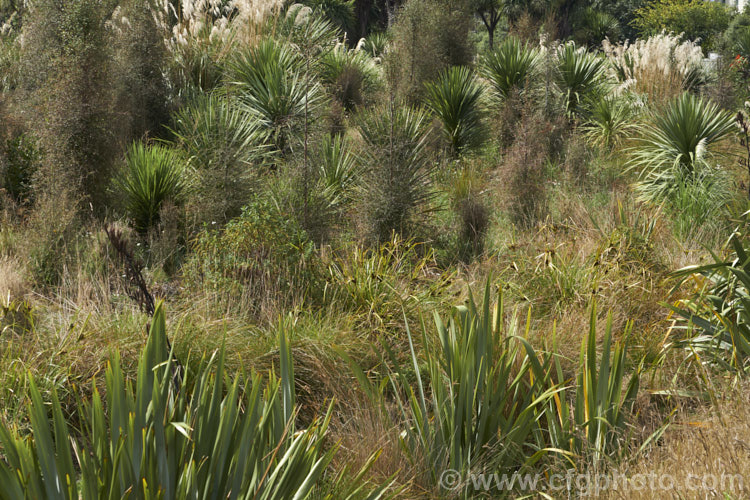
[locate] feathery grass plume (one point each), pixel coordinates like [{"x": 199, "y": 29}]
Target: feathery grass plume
[
  {"x": 659, "y": 67},
  {"x": 579, "y": 74},
  {"x": 676, "y": 145},
  {"x": 201, "y": 440},
  {"x": 306, "y": 30},
  {"x": 225, "y": 148},
  {"x": 398, "y": 170},
  {"x": 455, "y": 99},
  {"x": 202, "y": 33},
  {"x": 510, "y": 66},
  {"x": 152, "y": 175}
]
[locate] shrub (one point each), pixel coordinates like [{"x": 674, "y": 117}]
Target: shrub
[
  {"x": 225, "y": 148},
  {"x": 698, "y": 20},
  {"x": 67, "y": 70},
  {"x": 351, "y": 75},
  {"x": 398, "y": 170},
  {"x": 143, "y": 54},
  {"x": 19, "y": 164},
  {"x": 428, "y": 36},
  {"x": 153, "y": 174},
  {"x": 259, "y": 262},
  {"x": 510, "y": 66},
  {"x": 526, "y": 169},
  {"x": 455, "y": 99},
  {"x": 676, "y": 145}
]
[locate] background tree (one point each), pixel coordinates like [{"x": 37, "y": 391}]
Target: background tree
[
  {"x": 67, "y": 72},
  {"x": 491, "y": 12},
  {"x": 695, "y": 18},
  {"x": 428, "y": 37}
]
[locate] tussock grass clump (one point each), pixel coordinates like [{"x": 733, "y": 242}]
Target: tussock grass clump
[{"x": 658, "y": 68}]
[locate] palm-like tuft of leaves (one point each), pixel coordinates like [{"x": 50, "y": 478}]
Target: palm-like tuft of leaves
[
  {"x": 338, "y": 170},
  {"x": 610, "y": 120},
  {"x": 153, "y": 174},
  {"x": 580, "y": 74},
  {"x": 375, "y": 44},
  {"x": 676, "y": 145},
  {"x": 596, "y": 25},
  {"x": 269, "y": 82},
  {"x": 224, "y": 146},
  {"x": 173, "y": 437},
  {"x": 455, "y": 99},
  {"x": 510, "y": 66},
  {"x": 351, "y": 75},
  {"x": 398, "y": 171},
  {"x": 339, "y": 13}
]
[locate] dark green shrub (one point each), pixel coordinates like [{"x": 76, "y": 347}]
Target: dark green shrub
[
  {"x": 67, "y": 58},
  {"x": 352, "y": 76},
  {"x": 19, "y": 164},
  {"x": 142, "y": 54},
  {"x": 261, "y": 261},
  {"x": 695, "y": 18}
]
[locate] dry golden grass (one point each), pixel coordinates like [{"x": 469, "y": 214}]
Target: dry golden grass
[
  {"x": 704, "y": 454},
  {"x": 13, "y": 283}
]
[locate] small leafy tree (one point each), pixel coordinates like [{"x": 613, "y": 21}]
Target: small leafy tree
[
  {"x": 697, "y": 19},
  {"x": 491, "y": 12}
]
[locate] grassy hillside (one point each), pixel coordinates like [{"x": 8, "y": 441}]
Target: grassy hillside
[{"x": 374, "y": 250}]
